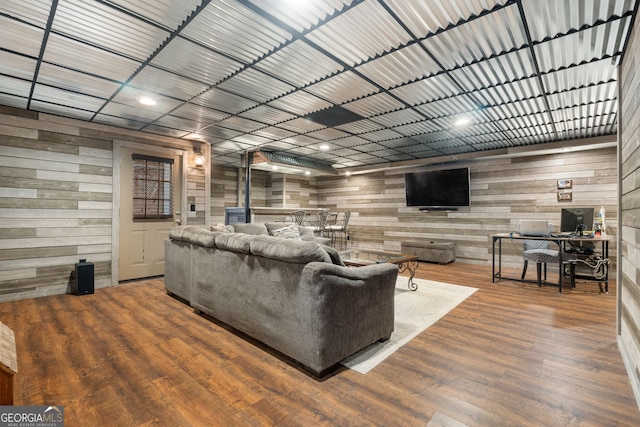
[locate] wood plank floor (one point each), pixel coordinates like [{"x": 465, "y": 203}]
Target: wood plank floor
[{"x": 511, "y": 354}]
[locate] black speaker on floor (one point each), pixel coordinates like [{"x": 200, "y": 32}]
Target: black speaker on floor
[{"x": 84, "y": 277}]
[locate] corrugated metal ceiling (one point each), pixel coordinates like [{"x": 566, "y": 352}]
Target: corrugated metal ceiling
[{"x": 250, "y": 74}]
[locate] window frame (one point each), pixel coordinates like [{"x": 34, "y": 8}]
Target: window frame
[{"x": 152, "y": 188}]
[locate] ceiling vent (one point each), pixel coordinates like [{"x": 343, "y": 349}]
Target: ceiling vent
[{"x": 334, "y": 116}]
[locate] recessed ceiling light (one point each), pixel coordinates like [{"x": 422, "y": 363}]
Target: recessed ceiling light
[
  {"x": 275, "y": 167},
  {"x": 307, "y": 173},
  {"x": 147, "y": 101},
  {"x": 348, "y": 173},
  {"x": 324, "y": 147},
  {"x": 463, "y": 121}
]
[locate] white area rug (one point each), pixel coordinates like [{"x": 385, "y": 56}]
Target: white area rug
[{"x": 414, "y": 312}]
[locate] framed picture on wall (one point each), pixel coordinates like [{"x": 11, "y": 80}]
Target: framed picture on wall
[
  {"x": 565, "y": 196},
  {"x": 565, "y": 183}
]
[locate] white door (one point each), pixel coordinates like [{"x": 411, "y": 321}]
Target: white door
[{"x": 150, "y": 197}]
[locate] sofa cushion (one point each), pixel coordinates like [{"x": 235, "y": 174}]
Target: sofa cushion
[
  {"x": 333, "y": 254},
  {"x": 177, "y": 233},
  {"x": 289, "y": 250},
  {"x": 287, "y": 232},
  {"x": 307, "y": 234},
  {"x": 276, "y": 225},
  {"x": 234, "y": 242},
  {"x": 194, "y": 234},
  {"x": 222, "y": 228},
  {"x": 251, "y": 228}
]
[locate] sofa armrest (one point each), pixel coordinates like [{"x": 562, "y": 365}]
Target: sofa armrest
[
  {"x": 345, "y": 309},
  {"x": 386, "y": 272},
  {"x": 194, "y": 234}
]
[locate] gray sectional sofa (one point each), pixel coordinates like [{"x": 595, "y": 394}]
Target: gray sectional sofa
[{"x": 295, "y": 296}]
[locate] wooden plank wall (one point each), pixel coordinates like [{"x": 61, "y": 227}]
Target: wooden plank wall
[
  {"x": 300, "y": 192},
  {"x": 289, "y": 191},
  {"x": 56, "y": 200},
  {"x": 628, "y": 281},
  {"x": 196, "y": 190},
  {"x": 503, "y": 191},
  {"x": 227, "y": 190},
  {"x": 275, "y": 196},
  {"x": 268, "y": 189}
]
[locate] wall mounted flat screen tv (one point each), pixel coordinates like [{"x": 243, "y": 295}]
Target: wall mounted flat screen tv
[{"x": 439, "y": 189}]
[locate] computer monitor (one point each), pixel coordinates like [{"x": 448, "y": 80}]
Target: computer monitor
[{"x": 574, "y": 220}]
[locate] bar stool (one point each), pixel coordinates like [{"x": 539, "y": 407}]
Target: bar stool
[
  {"x": 319, "y": 226},
  {"x": 340, "y": 227},
  {"x": 299, "y": 217}
]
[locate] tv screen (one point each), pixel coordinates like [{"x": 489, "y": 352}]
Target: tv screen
[
  {"x": 438, "y": 189},
  {"x": 574, "y": 220}
]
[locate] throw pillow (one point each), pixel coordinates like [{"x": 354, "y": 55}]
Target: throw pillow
[
  {"x": 251, "y": 228},
  {"x": 288, "y": 232},
  {"x": 306, "y": 233},
  {"x": 222, "y": 228}
]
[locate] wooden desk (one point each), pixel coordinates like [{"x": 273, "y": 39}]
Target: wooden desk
[{"x": 561, "y": 242}]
